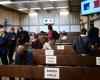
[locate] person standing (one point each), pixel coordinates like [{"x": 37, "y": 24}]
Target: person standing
[
  {"x": 22, "y": 36},
  {"x": 93, "y": 34},
  {"x": 11, "y": 44},
  {"x": 3, "y": 46},
  {"x": 50, "y": 35}
]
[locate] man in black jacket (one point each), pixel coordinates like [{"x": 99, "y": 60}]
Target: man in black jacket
[
  {"x": 3, "y": 46},
  {"x": 11, "y": 44},
  {"x": 93, "y": 34},
  {"x": 22, "y": 36}
]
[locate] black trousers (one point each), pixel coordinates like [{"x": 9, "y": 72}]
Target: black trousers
[
  {"x": 3, "y": 55},
  {"x": 11, "y": 52}
]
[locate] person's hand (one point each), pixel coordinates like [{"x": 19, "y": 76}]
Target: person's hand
[{"x": 13, "y": 38}]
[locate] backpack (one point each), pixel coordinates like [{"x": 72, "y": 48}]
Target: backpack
[{"x": 55, "y": 35}]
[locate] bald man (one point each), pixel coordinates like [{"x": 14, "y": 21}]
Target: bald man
[{"x": 23, "y": 56}]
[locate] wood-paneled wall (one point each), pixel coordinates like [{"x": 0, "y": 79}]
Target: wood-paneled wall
[{"x": 10, "y": 14}]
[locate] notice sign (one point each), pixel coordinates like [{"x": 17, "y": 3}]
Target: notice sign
[
  {"x": 51, "y": 73},
  {"x": 51, "y": 59},
  {"x": 97, "y": 60},
  {"x": 49, "y": 52},
  {"x": 60, "y": 47}
]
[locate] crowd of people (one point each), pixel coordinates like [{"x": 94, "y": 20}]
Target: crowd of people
[
  {"x": 86, "y": 44},
  {"x": 11, "y": 42}
]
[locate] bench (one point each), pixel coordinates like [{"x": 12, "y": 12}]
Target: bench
[
  {"x": 63, "y": 60},
  {"x": 38, "y": 72},
  {"x": 56, "y": 52},
  {"x": 68, "y": 50}
]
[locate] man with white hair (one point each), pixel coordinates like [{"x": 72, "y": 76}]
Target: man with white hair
[{"x": 3, "y": 46}]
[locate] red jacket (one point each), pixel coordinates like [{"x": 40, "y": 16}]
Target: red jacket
[{"x": 50, "y": 35}]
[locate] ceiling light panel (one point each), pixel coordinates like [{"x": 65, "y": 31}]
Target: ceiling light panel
[
  {"x": 48, "y": 8},
  {"x": 5, "y": 2}
]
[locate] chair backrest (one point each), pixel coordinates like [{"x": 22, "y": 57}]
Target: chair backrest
[
  {"x": 63, "y": 60},
  {"x": 39, "y": 72}
]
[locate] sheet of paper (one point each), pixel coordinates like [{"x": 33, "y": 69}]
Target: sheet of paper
[
  {"x": 60, "y": 47},
  {"x": 49, "y": 52},
  {"x": 51, "y": 60},
  {"x": 97, "y": 60},
  {"x": 51, "y": 73}
]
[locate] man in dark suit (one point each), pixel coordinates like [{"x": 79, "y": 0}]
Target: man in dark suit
[
  {"x": 3, "y": 46},
  {"x": 11, "y": 44},
  {"x": 93, "y": 34},
  {"x": 22, "y": 36}
]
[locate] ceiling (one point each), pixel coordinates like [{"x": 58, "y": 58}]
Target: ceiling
[{"x": 42, "y": 5}]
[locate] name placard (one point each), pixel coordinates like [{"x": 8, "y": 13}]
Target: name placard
[
  {"x": 60, "y": 47},
  {"x": 97, "y": 60},
  {"x": 51, "y": 73},
  {"x": 49, "y": 52},
  {"x": 51, "y": 60}
]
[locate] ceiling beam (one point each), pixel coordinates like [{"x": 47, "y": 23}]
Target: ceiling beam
[
  {"x": 36, "y": 0},
  {"x": 12, "y": 9},
  {"x": 54, "y": 4},
  {"x": 38, "y": 5}
]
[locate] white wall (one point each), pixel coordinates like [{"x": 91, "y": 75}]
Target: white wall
[
  {"x": 54, "y": 16},
  {"x": 60, "y": 18},
  {"x": 33, "y": 22},
  {"x": 70, "y": 22},
  {"x": 97, "y": 24}
]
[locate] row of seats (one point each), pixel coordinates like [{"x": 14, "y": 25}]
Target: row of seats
[
  {"x": 68, "y": 65},
  {"x": 37, "y": 72},
  {"x": 62, "y": 60},
  {"x": 68, "y": 50}
]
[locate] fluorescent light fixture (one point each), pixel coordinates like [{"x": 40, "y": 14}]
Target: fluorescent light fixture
[
  {"x": 64, "y": 13},
  {"x": 48, "y": 8},
  {"x": 23, "y": 9},
  {"x": 63, "y": 7},
  {"x": 35, "y": 8},
  {"x": 57, "y": 0},
  {"x": 5, "y": 2},
  {"x": 33, "y": 14}
]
